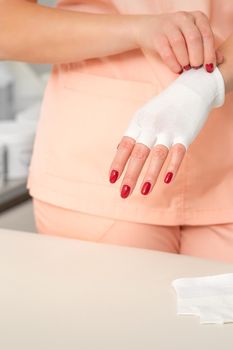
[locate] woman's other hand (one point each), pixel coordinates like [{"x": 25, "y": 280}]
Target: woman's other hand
[{"x": 182, "y": 39}]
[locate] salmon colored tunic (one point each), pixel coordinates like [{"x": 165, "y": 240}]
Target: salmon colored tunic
[{"x": 86, "y": 109}]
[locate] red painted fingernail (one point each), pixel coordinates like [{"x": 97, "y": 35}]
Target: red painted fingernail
[
  {"x": 113, "y": 176},
  {"x": 168, "y": 177},
  {"x": 197, "y": 67},
  {"x": 187, "y": 67},
  {"x": 181, "y": 71},
  {"x": 146, "y": 188},
  {"x": 125, "y": 191},
  {"x": 209, "y": 67}
]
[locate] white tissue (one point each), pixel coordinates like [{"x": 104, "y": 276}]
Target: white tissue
[{"x": 209, "y": 297}]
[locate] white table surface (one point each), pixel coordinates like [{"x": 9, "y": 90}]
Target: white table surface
[{"x": 58, "y": 293}]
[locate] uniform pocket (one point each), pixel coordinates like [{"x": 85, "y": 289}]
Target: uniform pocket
[{"x": 90, "y": 115}]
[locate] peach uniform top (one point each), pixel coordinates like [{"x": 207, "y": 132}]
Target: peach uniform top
[{"x": 87, "y": 107}]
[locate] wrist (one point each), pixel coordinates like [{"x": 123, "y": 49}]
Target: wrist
[
  {"x": 127, "y": 27},
  {"x": 209, "y": 86},
  {"x": 136, "y": 25}
]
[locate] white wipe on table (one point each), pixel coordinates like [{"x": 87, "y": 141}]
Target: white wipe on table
[{"x": 209, "y": 297}]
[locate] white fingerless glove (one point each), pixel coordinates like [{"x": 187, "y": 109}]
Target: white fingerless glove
[{"x": 179, "y": 112}]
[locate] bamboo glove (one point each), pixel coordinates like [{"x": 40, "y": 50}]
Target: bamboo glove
[{"x": 180, "y": 111}]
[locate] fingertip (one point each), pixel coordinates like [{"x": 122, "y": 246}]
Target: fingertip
[
  {"x": 178, "y": 151},
  {"x": 187, "y": 67},
  {"x": 210, "y": 62},
  {"x": 209, "y": 67},
  {"x": 146, "y": 188},
  {"x": 168, "y": 177},
  {"x": 113, "y": 177}
]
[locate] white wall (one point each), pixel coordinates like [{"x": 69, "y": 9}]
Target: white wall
[
  {"x": 19, "y": 218},
  {"x": 47, "y": 2}
]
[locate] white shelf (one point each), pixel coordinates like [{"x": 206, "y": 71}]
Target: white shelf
[{"x": 13, "y": 193}]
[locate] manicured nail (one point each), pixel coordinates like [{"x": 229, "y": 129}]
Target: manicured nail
[
  {"x": 197, "y": 67},
  {"x": 146, "y": 188},
  {"x": 113, "y": 176},
  {"x": 181, "y": 71},
  {"x": 209, "y": 67},
  {"x": 168, "y": 177},
  {"x": 125, "y": 191},
  {"x": 187, "y": 67}
]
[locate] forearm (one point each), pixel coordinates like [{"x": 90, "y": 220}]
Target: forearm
[
  {"x": 226, "y": 67},
  {"x": 38, "y": 34}
]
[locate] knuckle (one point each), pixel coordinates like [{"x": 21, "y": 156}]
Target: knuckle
[
  {"x": 200, "y": 14},
  {"x": 205, "y": 30},
  {"x": 166, "y": 55},
  {"x": 206, "y": 34},
  {"x": 177, "y": 40},
  {"x": 179, "y": 149},
  {"x": 193, "y": 37},
  {"x": 161, "y": 39},
  {"x": 210, "y": 58},
  {"x": 129, "y": 179},
  {"x": 182, "y": 15},
  {"x": 127, "y": 143},
  {"x": 160, "y": 152},
  {"x": 139, "y": 153}
]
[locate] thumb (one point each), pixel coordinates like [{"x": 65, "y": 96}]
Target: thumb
[{"x": 219, "y": 57}]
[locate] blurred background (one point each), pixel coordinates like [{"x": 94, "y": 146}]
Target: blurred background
[{"x": 22, "y": 87}]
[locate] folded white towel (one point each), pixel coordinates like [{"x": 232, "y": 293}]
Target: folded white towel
[{"x": 209, "y": 297}]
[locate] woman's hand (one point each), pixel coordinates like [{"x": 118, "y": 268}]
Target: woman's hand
[
  {"x": 171, "y": 119},
  {"x": 182, "y": 39},
  {"x": 62, "y": 36}
]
